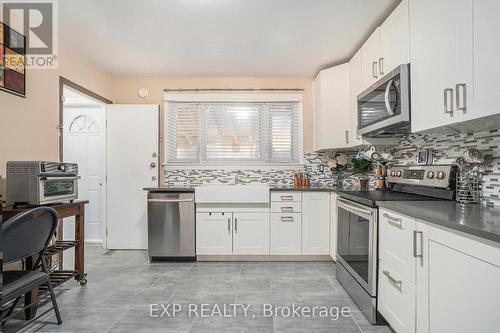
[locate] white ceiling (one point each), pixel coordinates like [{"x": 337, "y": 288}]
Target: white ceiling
[{"x": 218, "y": 37}]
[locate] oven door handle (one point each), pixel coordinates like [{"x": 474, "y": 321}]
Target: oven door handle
[
  {"x": 353, "y": 209},
  {"x": 61, "y": 178}
]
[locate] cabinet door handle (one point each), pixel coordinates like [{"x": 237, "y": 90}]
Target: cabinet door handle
[
  {"x": 415, "y": 254},
  {"x": 229, "y": 225},
  {"x": 236, "y": 225},
  {"x": 393, "y": 280},
  {"x": 287, "y": 219},
  {"x": 381, "y": 66},
  {"x": 347, "y": 136},
  {"x": 287, "y": 209},
  {"x": 461, "y": 106},
  {"x": 446, "y": 108},
  {"x": 394, "y": 220},
  {"x": 286, "y": 198},
  {"x": 374, "y": 69}
]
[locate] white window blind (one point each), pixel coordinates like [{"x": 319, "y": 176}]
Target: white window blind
[
  {"x": 183, "y": 131},
  {"x": 232, "y": 131},
  {"x": 242, "y": 133}
]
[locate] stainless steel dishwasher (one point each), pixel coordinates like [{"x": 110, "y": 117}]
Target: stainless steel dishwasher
[{"x": 171, "y": 225}]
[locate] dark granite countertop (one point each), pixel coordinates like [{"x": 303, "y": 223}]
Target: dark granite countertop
[
  {"x": 304, "y": 189},
  {"x": 475, "y": 220},
  {"x": 272, "y": 188}
]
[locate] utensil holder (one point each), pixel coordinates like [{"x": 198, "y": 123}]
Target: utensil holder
[{"x": 467, "y": 191}]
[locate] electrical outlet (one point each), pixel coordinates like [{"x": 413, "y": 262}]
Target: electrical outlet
[{"x": 320, "y": 168}]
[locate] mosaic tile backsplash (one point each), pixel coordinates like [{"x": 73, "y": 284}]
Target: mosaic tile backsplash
[{"x": 446, "y": 148}]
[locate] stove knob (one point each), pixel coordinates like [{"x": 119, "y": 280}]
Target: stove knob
[
  {"x": 440, "y": 175},
  {"x": 430, "y": 174},
  {"x": 393, "y": 173},
  {"x": 398, "y": 174}
]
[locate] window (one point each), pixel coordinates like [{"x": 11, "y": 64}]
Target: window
[{"x": 241, "y": 133}]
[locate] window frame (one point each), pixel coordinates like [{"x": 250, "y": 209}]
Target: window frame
[{"x": 234, "y": 98}]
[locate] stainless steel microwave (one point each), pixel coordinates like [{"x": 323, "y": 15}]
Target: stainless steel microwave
[
  {"x": 384, "y": 108},
  {"x": 39, "y": 183}
]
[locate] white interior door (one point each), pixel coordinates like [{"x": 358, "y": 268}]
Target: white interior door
[
  {"x": 83, "y": 143},
  {"x": 132, "y": 164}
]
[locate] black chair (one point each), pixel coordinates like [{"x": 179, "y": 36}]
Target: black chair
[{"x": 27, "y": 234}]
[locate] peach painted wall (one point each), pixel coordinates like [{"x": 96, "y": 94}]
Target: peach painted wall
[
  {"x": 125, "y": 91},
  {"x": 28, "y": 126}
]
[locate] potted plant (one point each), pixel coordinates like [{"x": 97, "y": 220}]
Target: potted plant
[{"x": 362, "y": 167}]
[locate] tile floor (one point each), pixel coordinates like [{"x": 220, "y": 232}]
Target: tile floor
[{"x": 122, "y": 285}]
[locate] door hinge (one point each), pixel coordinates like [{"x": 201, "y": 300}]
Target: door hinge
[{"x": 63, "y": 99}]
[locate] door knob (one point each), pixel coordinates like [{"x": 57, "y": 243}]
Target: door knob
[
  {"x": 152, "y": 165},
  {"x": 153, "y": 178}
]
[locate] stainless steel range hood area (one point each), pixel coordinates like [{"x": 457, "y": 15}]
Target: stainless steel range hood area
[{"x": 384, "y": 108}]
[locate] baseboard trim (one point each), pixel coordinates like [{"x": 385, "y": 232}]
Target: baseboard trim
[{"x": 274, "y": 258}]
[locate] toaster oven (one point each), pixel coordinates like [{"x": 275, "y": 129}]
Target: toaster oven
[{"x": 39, "y": 183}]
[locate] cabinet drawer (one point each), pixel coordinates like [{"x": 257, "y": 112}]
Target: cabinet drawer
[
  {"x": 286, "y": 196},
  {"x": 286, "y": 234},
  {"x": 286, "y": 207},
  {"x": 397, "y": 242},
  {"x": 396, "y": 299}
]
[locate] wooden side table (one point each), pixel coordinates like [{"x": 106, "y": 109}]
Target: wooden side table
[{"x": 64, "y": 210}]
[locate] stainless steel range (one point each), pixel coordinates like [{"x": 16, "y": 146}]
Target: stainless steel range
[{"x": 357, "y": 245}]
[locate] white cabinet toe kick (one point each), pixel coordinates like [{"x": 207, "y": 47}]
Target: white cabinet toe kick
[{"x": 272, "y": 258}]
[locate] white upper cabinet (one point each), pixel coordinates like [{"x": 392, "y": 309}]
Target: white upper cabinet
[
  {"x": 370, "y": 57},
  {"x": 357, "y": 86},
  {"x": 438, "y": 59},
  {"x": 332, "y": 108},
  {"x": 454, "y": 68},
  {"x": 482, "y": 81},
  {"x": 388, "y": 46},
  {"x": 395, "y": 39}
]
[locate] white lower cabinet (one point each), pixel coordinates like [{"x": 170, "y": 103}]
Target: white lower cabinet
[
  {"x": 316, "y": 223},
  {"x": 214, "y": 233},
  {"x": 285, "y": 234},
  {"x": 251, "y": 233},
  {"x": 396, "y": 234},
  {"x": 396, "y": 299},
  {"x": 456, "y": 278},
  {"x": 333, "y": 226},
  {"x": 231, "y": 233},
  {"x": 458, "y": 286},
  {"x": 295, "y": 223}
]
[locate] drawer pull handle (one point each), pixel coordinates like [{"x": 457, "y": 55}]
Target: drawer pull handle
[
  {"x": 287, "y": 209},
  {"x": 286, "y": 197},
  {"x": 398, "y": 283},
  {"x": 287, "y": 219},
  {"x": 394, "y": 220}
]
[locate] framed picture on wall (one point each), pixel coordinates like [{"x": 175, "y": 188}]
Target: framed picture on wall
[{"x": 12, "y": 61}]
